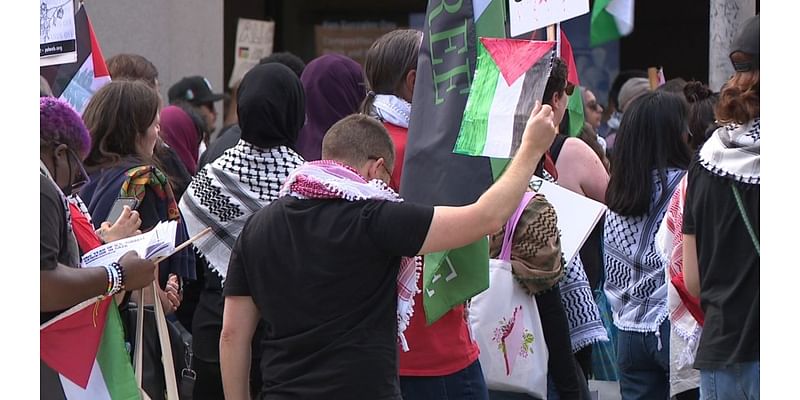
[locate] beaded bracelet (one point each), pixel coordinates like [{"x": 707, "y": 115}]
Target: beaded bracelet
[
  {"x": 115, "y": 278},
  {"x": 121, "y": 274}
]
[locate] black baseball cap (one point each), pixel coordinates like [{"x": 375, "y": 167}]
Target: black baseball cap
[
  {"x": 747, "y": 41},
  {"x": 194, "y": 89}
]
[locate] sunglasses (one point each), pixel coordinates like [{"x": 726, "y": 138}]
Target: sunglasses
[{"x": 382, "y": 165}]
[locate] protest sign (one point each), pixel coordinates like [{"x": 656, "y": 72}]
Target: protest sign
[
  {"x": 57, "y": 42},
  {"x": 254, "y": 41},
  {"x": 528, "y": 15},
  {"x": 577, "y": 215}
]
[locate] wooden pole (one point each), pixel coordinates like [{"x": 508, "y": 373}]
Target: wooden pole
[{"x": 652, "y": 75}]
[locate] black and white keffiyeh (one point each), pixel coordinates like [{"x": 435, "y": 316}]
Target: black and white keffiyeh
[
  {"x": 636, "y": 285},
  {"x": 734, "y": 151},
  {"x": 225, "y": 193},
  {"x": 392, "y": 109}
]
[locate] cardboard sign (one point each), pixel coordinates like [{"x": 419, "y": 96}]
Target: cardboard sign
[
  {"x": 254, "y": 41},
  {"x": 528, "y": 15},
  {"x": 577, "y": 215}
]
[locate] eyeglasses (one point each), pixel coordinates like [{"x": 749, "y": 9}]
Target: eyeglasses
[
  {"x": 383, "y": 165},
  {"x": 84, "y": 177}
]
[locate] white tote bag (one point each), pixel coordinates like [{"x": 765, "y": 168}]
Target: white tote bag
[{"x": 505, "y": 323}]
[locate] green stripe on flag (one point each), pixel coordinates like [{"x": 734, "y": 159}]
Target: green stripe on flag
[
  {"x": 575, "y": 111},
  {"x": 492, "y": 22},
  {"x": 472, "y": 135},
  {"x": 603, "y": 26},
  {"x": 452, "y": 277},
  {"x": 114, "y": 361}
]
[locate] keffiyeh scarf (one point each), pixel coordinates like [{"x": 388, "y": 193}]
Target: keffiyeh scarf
[
  {"x": 392, "y": 109},
  {"x": 684, "y": 309},
  {"x": 225, "y": 193},
  {"x": 636, "y": 285},
  {"x": 734, "y": 151},
  {"x": 332, "y": 180}
]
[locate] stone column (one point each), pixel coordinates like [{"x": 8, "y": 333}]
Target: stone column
[{"x": 725, "y": 20}]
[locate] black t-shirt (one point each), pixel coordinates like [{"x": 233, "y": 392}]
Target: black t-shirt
[
  {"x": 57, "y": 244},
  {"x": 728, "y": 266},
  {"x": 323, "y": 274}
]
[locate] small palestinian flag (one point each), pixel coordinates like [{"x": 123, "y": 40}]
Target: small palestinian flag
[
  {"x": 510, "y": 77},
  {"x": 611, "y": 20},
  {"x": 77, "y": 82},
  {"x": 83, "y": 356},
  {"x": 575, "y": 101}
]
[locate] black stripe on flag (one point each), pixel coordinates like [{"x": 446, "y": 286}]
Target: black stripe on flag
[
  {"x": 49, "y": 383},
  {"x": 532, "y": 90}
]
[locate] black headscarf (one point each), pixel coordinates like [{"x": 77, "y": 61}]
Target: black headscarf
[{"x": 271, "y": 106}]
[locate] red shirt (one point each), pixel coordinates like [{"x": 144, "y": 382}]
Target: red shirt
[
  {"x": 399, "y": 137},
  {"x": 446, "y": 346}
]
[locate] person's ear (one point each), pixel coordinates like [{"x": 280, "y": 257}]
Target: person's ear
[{"x": 411, "y": 79}]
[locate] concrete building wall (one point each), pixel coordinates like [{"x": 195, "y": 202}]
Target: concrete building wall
[
  {"x": 181, "y": 37},
  {"x": 725, "y": 21}
]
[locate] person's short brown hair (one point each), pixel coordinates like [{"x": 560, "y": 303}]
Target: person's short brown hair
[
  {"x": 357, "y": 138},
  {"x": 132, "y": 67}
]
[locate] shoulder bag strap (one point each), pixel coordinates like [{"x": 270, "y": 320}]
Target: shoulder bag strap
[
  {"x": 743, "y": 213},
  {"x": 505, "y": 252}
]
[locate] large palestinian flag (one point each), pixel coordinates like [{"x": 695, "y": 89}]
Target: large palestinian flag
[
  {"x": 77, "y": 82},
  {"x": 83, "y": 356},
  {"x": 510, "y": 77}
]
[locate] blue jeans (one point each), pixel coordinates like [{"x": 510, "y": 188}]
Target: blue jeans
[
  {"x": 738, "y": 381},
  {"x": 643, "y": 368},
  {"x": 467, "y": 384}
]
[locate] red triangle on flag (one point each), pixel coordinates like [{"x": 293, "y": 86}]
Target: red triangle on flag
[
  {"x": 100, "y": 68},
  {"x": 514, "y": 57},
  {"x": 69, "y": 346},
  {"x": 569, "y": 59}
]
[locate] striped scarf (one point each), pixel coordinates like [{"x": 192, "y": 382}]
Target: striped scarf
[
  {"x": 137, "y": 179},
  {"x": 328, "y": 179}
]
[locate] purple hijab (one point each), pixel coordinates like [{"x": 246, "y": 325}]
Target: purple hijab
[
  {"x": 334, "y": 86},
  {"x": 180, "y": 133}
]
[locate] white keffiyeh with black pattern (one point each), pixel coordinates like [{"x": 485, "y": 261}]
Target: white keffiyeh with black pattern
[
  {"x": 734, "y": 151},
  {"x": 225, "y": 193}
]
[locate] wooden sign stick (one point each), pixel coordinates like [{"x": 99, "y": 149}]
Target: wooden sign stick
[{"x": 184, "y": 244}]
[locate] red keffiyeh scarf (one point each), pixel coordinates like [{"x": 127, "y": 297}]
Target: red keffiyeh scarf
[{"x": 327, "y": 179}]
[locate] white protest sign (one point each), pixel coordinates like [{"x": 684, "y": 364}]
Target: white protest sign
[
  {"x": 528, "y": 15},
  {"x": 577, "y": 215},
  {"x": 57, "y": 44},
  {"x": 254, "y": 41}
]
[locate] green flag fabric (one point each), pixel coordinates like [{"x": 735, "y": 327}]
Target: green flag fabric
[{"x": 611, "y": 20}]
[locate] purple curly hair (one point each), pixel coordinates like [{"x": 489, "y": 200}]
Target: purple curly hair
[{"x": 60, "y": 123}]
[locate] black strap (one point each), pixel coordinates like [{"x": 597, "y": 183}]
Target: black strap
[{"x": 555, "y": 148}]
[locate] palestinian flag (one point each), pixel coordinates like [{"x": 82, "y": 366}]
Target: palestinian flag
[
  {"x": 432, "y": 173},
  {"x": 611, "y": 20},
  {"x": 510, "y": 77},
  {"x": 575, "y": 101},
  {"x": 77, "y": 82},
  {"x": 83, "y": 355}
]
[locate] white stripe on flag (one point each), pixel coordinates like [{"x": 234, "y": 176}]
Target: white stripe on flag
[
  {"x": 500, "y": 128},
  {"x": 95, "y": 390},
  {"x": 622, "y": 11}
]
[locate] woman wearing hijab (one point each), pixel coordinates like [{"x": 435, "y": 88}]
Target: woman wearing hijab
[
  {"x": 226, "y": 192},
  {"x": 334, "y": 87},
  {"x": 181, "y": 134}
]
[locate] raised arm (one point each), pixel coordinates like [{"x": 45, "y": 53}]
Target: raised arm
[{"x": 453, "y": 227}]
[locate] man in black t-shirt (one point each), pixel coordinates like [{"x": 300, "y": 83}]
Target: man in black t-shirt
[{"x": 321, "y": 270}]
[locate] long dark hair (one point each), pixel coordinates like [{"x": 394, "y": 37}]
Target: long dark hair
[
  {"x": 116, "y": 116},
  {"x": 388, "y": 61},
  {"x": 650, "y": 137}
]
